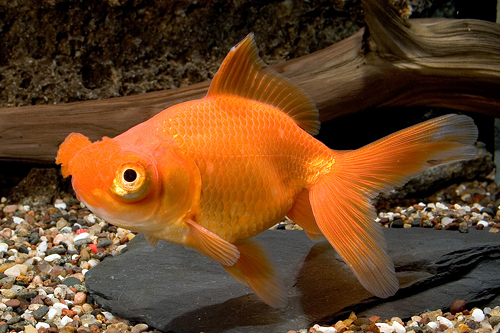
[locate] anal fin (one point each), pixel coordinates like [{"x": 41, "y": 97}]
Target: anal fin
[
  {"x": 302, "y": 214},
  {"x": 254, "y": 269},
  {"x": 211, "y": 245}
]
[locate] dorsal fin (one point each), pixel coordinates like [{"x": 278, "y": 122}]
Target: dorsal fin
[{"x": 244, "y": 74}]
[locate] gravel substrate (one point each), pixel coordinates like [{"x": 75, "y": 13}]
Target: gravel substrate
[{"x": 45, "y": 251}]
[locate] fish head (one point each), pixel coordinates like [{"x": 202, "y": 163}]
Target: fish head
[{"x": 124, "y": 185}]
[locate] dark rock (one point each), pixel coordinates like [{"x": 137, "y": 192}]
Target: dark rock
[
  {"x": 71, "y": 281},
  {"x": 27, "y": 294},
  {"x": 40, "y": 312},
  {"x": 39, "y": 186},
  {"x": 83, "y": 241},
  {"x": 14, "y": 320},
  {"x": 104, "y": 243},
  {"x": 172, "y": 288},
  {"x": 416, "y": 223},
  {"x": 23, "y": 249},
  {"x": 57, "y": 250},
  {"x": 3, "y": 328},
  {"x": 34, "y": 238},
  {"x": 489, "y": 211},
  {"x": 397, "y": 223}
]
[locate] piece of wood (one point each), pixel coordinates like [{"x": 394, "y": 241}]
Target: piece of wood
[{"x": 391, "y": 62}]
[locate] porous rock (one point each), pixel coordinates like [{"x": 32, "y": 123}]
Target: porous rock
[{"x": 175, "y": 289}]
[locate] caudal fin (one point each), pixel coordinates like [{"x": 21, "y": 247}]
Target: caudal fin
[{"x": 340, "y": 201}]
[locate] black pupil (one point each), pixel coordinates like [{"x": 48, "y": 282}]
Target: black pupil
[{"x": 129, "y": 175}]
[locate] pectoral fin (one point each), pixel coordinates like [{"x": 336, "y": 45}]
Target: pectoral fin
[{"x": 211, "y": 245}]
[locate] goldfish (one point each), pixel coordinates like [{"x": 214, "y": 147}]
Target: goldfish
[{"x": 210, "y": 174}]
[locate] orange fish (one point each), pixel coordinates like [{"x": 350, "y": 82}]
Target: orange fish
[{"x": 210, "y": 174}]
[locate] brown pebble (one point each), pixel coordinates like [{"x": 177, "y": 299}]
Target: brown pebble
[
  {"x": 112, "y": 330},
  {"x": 442, "y": 327},
  {"x": 82, "y": 330},
  {"x": 425, "y": 320},
  {"x": 9, "y": 209},
  {"x": 80, "y": 298},
  {"x": 494, "y": 230},
  {"x": 13, "y": 303},
  {"x": 373, "y": 328},
  {"x": 68, "y": 329},
  {"x": 457, "y": 305},
  {"x": 95, "y": 329}
]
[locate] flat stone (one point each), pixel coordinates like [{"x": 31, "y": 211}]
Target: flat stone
[{"x": 183, "y": 291}]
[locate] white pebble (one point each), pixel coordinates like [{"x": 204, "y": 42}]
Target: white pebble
[
  {"x": 52, "y": 257},
  {"x": 90, "y": 218},
  {"x": 65, "y": 320},
  {"x": 398, "y": 327},
  {"x": 108, "y": 315},
  {"x": 487, "y": 310},
  {"x": 66, "y": 230},
  {"x": 433, "y": 325},
  {"x": 58, "y": 307},
  {"x": 324, "y": 329},
  {"x": 17, "y": 220},
  {"x": 446, "y": 220},
  {"x": 93, "y": 262},
  {"x": 61, "y": 205},
  {"x": 445, "y": 321},
  {"x": 385, "y": 328},
  {"x": 4, "y": 247},
  {"x": 81, "y": 236},
  {"x": 42, "y": 247},
  {"x": 477, "y": 315},
  {"x": 52, "y": 313},
  {"x": 441, "y": 206},
  {"x": 483, "y": 223},
  {"x": 26, "y": 208},
  {"x": 41, "y": 324}
]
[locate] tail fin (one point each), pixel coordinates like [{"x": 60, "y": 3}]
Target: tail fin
[{"x": 341, "y": 203}]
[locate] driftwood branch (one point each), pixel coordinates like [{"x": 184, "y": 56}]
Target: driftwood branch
[{"x": 391, "y": 62}]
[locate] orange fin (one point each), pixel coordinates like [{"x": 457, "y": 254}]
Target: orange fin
[
  {"x": 302, "y": 214},
  {"x": 153, "y": 241},
  {"x": 211, "y": 245},
  {"x": 254, "y": 269},
  {"x": 67, "y": 150},
  {"x": 244, "y": 74},
  {"x": 340, "y": 200},
  {"x": 393, "y": 160},
  {"x": 235, "y": 272}
]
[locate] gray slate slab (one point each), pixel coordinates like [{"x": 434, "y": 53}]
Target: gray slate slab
[{"x": 177, "y": 290}]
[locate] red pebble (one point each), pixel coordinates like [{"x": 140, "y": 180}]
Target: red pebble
[
  {"x": 80, "y": 231},
  {"x": 93, "y": 247}
]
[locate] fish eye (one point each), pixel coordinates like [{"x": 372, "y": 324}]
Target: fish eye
[{"x": 132, "y": 182}]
